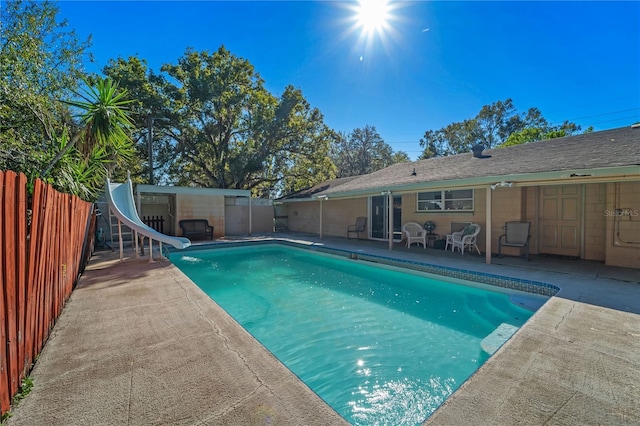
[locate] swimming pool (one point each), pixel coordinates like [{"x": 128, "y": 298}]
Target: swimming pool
[{"x": 377, "y": 344}]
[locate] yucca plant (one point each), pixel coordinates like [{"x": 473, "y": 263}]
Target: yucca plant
[{"x": 101, "y": 143}]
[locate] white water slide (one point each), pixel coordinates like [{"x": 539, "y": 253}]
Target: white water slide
[{"x": 122, "y": 205}]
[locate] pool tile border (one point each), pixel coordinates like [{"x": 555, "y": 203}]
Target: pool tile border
[{"x": 528, "y": 286}]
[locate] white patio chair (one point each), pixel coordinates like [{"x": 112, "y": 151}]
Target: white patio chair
[
  {"x": 466, "y": 239},
  {"x": 414, "y": 233},
  {"x": 455, "y": 227}
]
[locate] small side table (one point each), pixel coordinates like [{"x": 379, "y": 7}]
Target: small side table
[{"x": 431, "y": 238}]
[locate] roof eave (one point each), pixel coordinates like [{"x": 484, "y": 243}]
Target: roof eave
[
  {"x": 597, "y": 175},
  {"x": 186, "y": 190}
]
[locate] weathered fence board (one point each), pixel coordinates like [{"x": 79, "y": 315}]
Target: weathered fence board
[
  {"x": 21, "y": 262},
  {"x": 5, "y": 396},
  {"x": 10, "y": 282},
  {"x": 44, "y": 245}
]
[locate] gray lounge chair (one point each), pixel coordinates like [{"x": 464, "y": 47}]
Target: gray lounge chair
[
  {"x": 516, "y": 235},
  {"x": 358, "y": 227}
]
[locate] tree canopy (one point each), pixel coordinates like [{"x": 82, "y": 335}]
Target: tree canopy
[
  {"x": 498, "y": 124},
  {"x": 225, "y": 129},
  {"x": 41, "y": 68},
  {"x": 363, "y": 151},
  {"x": 40, "y": 63}
]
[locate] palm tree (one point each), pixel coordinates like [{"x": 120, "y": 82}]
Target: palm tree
[{"x": 101, "y": 143}]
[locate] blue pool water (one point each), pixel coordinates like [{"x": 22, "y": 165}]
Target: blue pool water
[{"x": 380, "y": 346}]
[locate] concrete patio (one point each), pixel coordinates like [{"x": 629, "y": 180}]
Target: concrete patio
[{"x": 139, "y": 344}]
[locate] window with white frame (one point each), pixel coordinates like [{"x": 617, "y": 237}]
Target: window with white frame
[{"x": 456, "y": 200}]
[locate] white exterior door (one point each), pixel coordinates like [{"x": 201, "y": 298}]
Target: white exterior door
[{"x": 560, "y": 218}]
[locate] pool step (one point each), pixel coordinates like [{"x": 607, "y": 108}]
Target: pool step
[
  {"x": 530, "y": 303},
  {"x": 481, "y": 322},
  {"x": 493, "y": 341}
]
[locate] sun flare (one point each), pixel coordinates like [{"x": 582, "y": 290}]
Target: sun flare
[{"x": 373, "y": 15}]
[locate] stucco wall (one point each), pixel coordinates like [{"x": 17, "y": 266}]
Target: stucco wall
[
  {"x": 210, "y": 207},
  {"x": 507, "y": 205},
  {"x": 595, "y": 230},
  {"x": 337, "y": 215},
  {"x": 304, "y": 217}
]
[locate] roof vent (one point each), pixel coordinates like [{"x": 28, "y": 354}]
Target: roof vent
[{"x": 477, "y": 151}]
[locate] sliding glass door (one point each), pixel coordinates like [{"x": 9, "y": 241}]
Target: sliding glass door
[{"x": 379, "y": 215}]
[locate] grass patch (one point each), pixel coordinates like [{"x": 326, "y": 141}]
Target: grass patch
[{"x": 25, "y": 389}]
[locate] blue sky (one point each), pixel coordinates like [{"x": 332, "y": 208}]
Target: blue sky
[{"x": 436, "y": 62}]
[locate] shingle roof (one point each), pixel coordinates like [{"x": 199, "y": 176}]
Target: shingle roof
[
  {"x": 324, "y": 186},
  {"x": 609, "y": 148}
]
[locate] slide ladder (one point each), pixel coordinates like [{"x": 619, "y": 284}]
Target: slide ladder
[{"x": 122, "y": 205}]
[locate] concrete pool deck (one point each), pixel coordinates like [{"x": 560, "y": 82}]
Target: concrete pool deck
[{"x": 139, "y": 344}]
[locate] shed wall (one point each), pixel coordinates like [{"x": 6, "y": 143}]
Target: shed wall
[{"x": 210, "y": 207}]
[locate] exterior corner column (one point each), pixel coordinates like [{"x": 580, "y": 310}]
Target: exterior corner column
[
  {"x": 320, "y": 230},
  {"x": 390, "y": 226},
  {"x": 250, "y": 217},
  {"x": 487, "y": 237}
]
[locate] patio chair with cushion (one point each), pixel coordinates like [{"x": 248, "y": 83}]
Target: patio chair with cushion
[
  {"x": 197, "y": 229},
  {"x": 414, "y": 233},
  {"x": 516, "y": 235},
  {"x": 466, "y": 239},
  {"x": 358, "y": 227},
  {"x": 455, "y": 227}
]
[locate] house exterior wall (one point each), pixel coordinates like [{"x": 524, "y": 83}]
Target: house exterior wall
[
  {"x": 507, "y": 204},
  {"x": 521, "y": 203},
  {"x": 622, "y": 216},
  {"x": 337, "y": 215},
  {"x": 304, "y": 217},
  {"x": 443, "y": 219},
  {"x": 595, "y": 230},
  {"x": 210, "y": 207},
  {"x": 610, "y": 218}
]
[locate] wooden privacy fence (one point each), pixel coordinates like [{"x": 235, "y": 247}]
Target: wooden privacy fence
[{"x": 43, "y": 246}]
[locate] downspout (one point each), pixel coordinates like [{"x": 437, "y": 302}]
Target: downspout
[{"x": 488, "y": 227}]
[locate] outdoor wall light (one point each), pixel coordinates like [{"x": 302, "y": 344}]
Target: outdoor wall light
[{"x": 503, "y": 183}]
